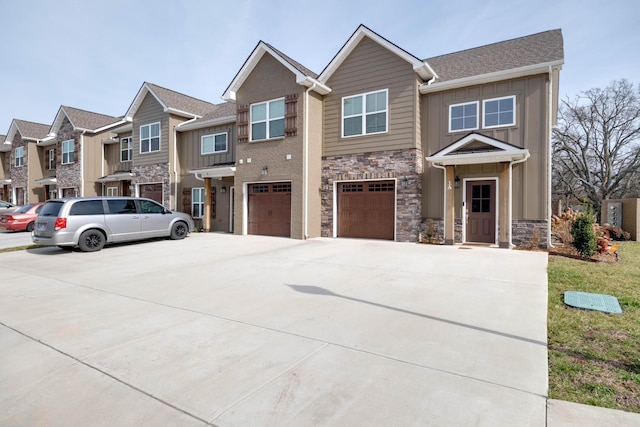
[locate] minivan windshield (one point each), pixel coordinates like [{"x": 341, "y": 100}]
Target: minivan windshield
[{"x": 51, "y": 208}]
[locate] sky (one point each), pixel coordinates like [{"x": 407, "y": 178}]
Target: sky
[{"x": 95, "y": 55}]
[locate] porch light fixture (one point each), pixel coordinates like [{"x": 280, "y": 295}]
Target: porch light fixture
[
  {"x": 265, "y": 170},
  {"x": 223, "y": 189},
  {"x": 456, "y": 182},
  {"x": 405, "y": 182}
]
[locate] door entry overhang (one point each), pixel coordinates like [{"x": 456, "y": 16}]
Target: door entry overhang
[{"x": 476, "y": 149}]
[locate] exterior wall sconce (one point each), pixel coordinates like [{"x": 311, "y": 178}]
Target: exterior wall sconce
[
  {"x": 265, "y": 170},
  {"x": 456, "y": 182},
  {"x": 223, "y": 189},
  {"x": 405, "y": 182}
]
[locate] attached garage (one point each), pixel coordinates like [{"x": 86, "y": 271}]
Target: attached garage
[
  {"x": 151, "y": 191},
  {"x": 366, "y": 209},
  {"x": 269, "y": 209}
]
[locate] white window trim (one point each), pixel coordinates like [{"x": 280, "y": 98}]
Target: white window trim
[
  {"x": 364, "y": 113},
  {"x": 150, "y": 137},
  {"x": 130, "y": 149},
  {"x": 484, "y": 103},
  {"x": 201, "y": 202},
  {"x": 19, "y": 157},
  {"x": 52, "y": 159},
  {"x": 202, "y": 152},
  {"x": 112, "y": 191},
  {"x": 73, "y": 145},
  {"x": 266, "y": 120},
  {"x": 477, "y": 103}
]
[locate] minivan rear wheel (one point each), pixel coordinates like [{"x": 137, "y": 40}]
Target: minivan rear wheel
[
  {"x": 91, "y": 241},
  {"x": 179, "y": 231}
]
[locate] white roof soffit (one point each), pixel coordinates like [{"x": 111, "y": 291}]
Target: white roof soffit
[
  {"x": 48, "y": 180},
  {"x": 421, "y": 67},
  {"x": 118, "y": 176},
  {"x": 215, "y": 172},
  {"x": 5, "y": 181},
  {"x": 199, "y": 124},
  {"x": 503, "y": 152},
  {"x": 252, "y": 61},
  {"x": 513, "y": 73}
]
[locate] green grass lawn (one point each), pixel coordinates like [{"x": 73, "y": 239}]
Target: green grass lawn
[{"x": 594, "y": 358}]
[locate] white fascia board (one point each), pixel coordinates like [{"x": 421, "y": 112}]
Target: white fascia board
[
  {"x": 215, "y": 172},
  {"x": 57, "y": 122},
  {"x": 181, "y": 113},
  {"x": 320, "y": 88},
  {"x": 476, "y": 137},
  {"x": 205, "y": 123},
  {"x": 49, "y": 140},
  {"x": 513, "y": 73},
  {"x": 138, "y": 100},
  {"x": 479, "y": 158},
  {"x": 121, "y": 122}
]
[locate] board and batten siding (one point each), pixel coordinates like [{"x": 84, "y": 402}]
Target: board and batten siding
[
  {"x": 530, "y": 131},
  {"x": 189, "y": 148},
  {"x": 150, "y": 111},
  {"x": 371, "y": 67}
]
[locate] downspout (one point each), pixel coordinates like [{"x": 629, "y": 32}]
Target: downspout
[
  {"x": 444, "y": 199},
  {"x": 102, "y": 167},
  {"x": 306, "y": 160},
  {"x": 83, "y": 163},
  {"x": 175, "y": 162},
  {"x": 550, "y": 155},
  {"x": 510, "y": 225}
]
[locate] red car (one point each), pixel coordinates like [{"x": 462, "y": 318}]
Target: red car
[{"x": 21, "y": 219}]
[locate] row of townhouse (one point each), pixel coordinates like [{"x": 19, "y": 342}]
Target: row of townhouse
[{"x": 380, "y": 144}]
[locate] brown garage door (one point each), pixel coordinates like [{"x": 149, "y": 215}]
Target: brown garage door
[
  {"x": 270, "y": 209},
  {"x": 151, "y": 191},
  {"x": 366, "y": 209}
]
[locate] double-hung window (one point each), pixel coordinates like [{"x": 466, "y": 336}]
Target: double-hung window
[
  {"x": 19, "y": 156},
  {"x": 499, "y": 112},
  {"x": 267, "y": 120},
  {"x": 150, "y": 138},
  {"x": 365, "y": 114},
  {"x": 126, "y": 149},
  {"x": 463, "y": 116},
  {"x": 197, "y": 202},
  {"x": 216, "y": 143},
  {"x": 52, "y": 159},
  {"x": 68, "y": 155}
]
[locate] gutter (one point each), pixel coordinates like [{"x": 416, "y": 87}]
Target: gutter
[{"x": 205, "y": 123}]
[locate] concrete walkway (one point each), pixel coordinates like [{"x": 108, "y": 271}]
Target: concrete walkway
[{"x": 234, "y": 331}]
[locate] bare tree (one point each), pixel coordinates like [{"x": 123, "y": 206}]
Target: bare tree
[{"x": 596, "y": 145}]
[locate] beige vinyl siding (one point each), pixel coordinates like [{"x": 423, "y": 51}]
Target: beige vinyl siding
[
  {"x": 368, "y": 68},
  {"x": 150, "y": 111},
  {"x": 530, "y": 132},
  {"x": 112, "y": 156},
  {"x": 189, "y": 147},
  {"x": 33, "y": 162},
  {"x": 91, "y": 162}
]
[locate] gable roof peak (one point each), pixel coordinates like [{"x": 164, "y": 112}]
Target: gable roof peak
[
  {"x": 422, "y": 68},
  {"x": 171, "y": 102}
]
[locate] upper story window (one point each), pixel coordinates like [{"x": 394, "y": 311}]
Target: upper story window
[
  {"x": 216, "y": 143},
  {"x": 19, "y": 156},
  {"x": 150, "y": 138},
  {"x": 499, "y": 112},
  {"x": 267, "y": 120},
  {"x": 126, "y": 149},
  {"x": 365, "y": 113},
  {"x": 68, "y": 155},
  {"x": 463, "y": 116},
  {"x": 52, "y": 159}
]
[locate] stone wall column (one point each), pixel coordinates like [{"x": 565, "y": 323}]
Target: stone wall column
[
  {"x": 504, "y": 201},
  {"x": 449, "y": 206},
  {"x": 206, "y": 223}
]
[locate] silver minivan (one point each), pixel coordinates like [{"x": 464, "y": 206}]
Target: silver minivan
[{"x": 91, "y": 222}]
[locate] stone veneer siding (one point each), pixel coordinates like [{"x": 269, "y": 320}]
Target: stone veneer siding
[
  {"x": 20, "y": 174},
  {"x": 403, "y": 165},
  {"x": 153, "y": 174},
  {"x": 523, "y": 231},
  {"x": 69, "y": 175}
]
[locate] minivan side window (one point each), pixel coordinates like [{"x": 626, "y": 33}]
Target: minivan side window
[
  {"x": 149, "y": 207},
  {"x": 121, "y": 206},
  {"x": 87, "y": 207}
]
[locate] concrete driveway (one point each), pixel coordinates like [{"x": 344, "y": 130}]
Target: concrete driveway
[{"x": 235, "y": 331}]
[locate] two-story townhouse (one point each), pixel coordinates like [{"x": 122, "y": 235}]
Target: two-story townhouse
[
  {"x": 278, "y": 166},
  {"x": 207, "y": 164},
  {"x": 5, "y": 169},
  {"x": 153, "y": 118},
  {"x": 72, "y": 151},
  {"x": 456, "y": 142},
  {"x": 25, "y": 161}
]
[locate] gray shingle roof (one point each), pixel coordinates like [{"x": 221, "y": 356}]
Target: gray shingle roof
[
  {"x": 534, "y": 49},
  {"x": 178, "y": 101},
  {"x": 88, "y": 120},
  {"x": 225, "y": 109},
  {"x": 304, "y": 70},
  {"x": 31, "y": 129}
]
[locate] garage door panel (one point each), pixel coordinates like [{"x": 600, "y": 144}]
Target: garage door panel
[
  {"x": 366, "y": 210},
  {"x": 270, "y": 209}
]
